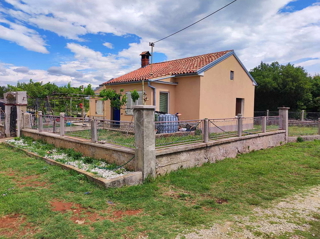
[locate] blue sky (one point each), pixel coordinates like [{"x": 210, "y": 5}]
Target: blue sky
[{"x": 90, "y": 42}]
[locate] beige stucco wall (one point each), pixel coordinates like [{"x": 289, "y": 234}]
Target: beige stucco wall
[
  {"x": 187, "y": 99},
  {"x": 218, "y": 93},
  {"x": 126, "y": 88}
]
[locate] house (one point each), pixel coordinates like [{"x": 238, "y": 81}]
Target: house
[{"x": 214, "y": 85}]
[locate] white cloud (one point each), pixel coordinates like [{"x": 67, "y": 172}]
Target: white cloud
[
  {"x": 59, "y": 26},
  {"x": 10, "y": 75},
  {"x": 108, "y": 44},
  {"x": 23, "y": 36},
  {"x": 256, "y": 30}
]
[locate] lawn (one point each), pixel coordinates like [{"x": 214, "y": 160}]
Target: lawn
[
  {"x": 302, "y": 130},
  {"x": 43, "y": 201}
]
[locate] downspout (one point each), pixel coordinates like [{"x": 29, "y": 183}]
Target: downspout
[{"x": 154, "y": 92}]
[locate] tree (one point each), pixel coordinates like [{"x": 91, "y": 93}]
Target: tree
[
  {"x": 3, "y": 90},
  {"x": 315, "y": 91},
  {"x": 117, "y": 100},
  {"x": 281, "y": 85},
  {"x": 88, "y": 90}
]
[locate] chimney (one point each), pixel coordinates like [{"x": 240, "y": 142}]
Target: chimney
[{"x": 145, "y": 58}]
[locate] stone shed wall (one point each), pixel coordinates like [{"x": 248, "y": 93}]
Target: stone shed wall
[{"x": 168, "y": 160}]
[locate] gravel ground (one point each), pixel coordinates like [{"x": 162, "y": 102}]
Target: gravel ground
[{"x": 283, "y": 218}]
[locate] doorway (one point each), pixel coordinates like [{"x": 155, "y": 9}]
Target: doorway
[{"x": 239, "y": 106}]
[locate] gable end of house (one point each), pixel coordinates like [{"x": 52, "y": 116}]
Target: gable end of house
[{"x": 231, "y": 53}]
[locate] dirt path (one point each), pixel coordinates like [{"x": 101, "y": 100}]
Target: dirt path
[{"x": 283, "y": 218}]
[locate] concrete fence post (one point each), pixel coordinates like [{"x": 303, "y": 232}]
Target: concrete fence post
[
  {"x": 205, "y": 130},
  {"x": 94, "y": 133},
  {"x": 54, "y": 127},
  {"x": 264, "y": 124},
  {"x": 40, "y": 121},
  {"x": 144, "y": 128},
  {"x": 319, "y": 126},
  {"x": 302, "y": 115},
  {"x": 22, "y": 119},
  {"x": 283, "y": 120},
  {"x": 62, "y": 124},
  {"x": 240, "y": 127},
  {"x": 268, "y": 113},
  {"x": 18, "y": 122}
]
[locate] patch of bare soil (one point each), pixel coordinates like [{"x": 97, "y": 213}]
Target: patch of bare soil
[
  {"x": 120, "y": 214},
  {"x": 81, "y": 215},
  {"x": 282, "y": 218},
  {"x": 10, "y": 226},
  {"x": 30, "y": 181}
]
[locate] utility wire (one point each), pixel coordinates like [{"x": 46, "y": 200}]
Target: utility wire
[{"x": 195, "y": 22}]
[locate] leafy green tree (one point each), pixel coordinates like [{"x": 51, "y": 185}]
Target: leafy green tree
[
  {"x": 117, "y": 100},
  {"x": 315, "y": 91},
  {"x": 281, "y": 85},
  {"x": 88, "y": 90},
  {"x": 3, "y": 90}
]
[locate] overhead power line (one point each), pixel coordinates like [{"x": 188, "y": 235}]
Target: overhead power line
[{"x": 152, "y": 43}]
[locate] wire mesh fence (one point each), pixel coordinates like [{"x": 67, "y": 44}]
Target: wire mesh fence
[
  {"x": 77, "y": 127},
  {"x": 272, "y": 123},
  {"x": 251, "y": 125},
  {"x": 294, "y": 115},
  {"x": 260, "y": 113},
  {"x": 300, "y": 128},
  {"x": 312, "y": 115},
  {"x": 116, "y": 132},
  {"x": 2, "y": 117},
  {"x": 34, "y": 121},
  {"x": 178, "y": 132},
  {"x": 50, "y": 123},
  {"x": 266, "y": 113},
  {"x": 223, "y": 128}
]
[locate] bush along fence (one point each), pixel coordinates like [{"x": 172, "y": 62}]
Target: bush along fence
[{"x": 148, "y": 139}]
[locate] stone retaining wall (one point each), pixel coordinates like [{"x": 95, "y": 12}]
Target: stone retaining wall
[
  {"x": 110, "y": 153},
  {"x": 188, "y": 156}
]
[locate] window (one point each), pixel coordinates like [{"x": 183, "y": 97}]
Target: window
[
  {"x": 231, "y": 75},
  {"x": 239, "y": 106},
  {"x": 130, "y": 103},
  {"x": 164, "y": 102},
  {"x": 99, "y": 107}
]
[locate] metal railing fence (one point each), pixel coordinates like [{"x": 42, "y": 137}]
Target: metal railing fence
[
  {"x": 167, "y": 133},
  {"x": 170, "y": 133},
  {"x": 223, "y": 128},
  {"x": 116, "y": 132}
]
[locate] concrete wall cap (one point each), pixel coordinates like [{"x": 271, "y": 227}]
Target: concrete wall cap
[
  {"x": 283, "y": 108},
  {"x": 145, "y": 107}
]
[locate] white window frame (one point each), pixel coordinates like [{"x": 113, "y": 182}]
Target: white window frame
[
  {"x": 130, "y": 103},
  {"x": 168, "y": 93},
  {"x": 102, "y": 107}
]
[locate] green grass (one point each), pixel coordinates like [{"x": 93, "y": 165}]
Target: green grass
[
  {"x": 182, "y": 200},
  {"x": 302, "y": 130}
]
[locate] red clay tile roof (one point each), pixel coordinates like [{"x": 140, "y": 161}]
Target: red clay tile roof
[{"x": 167, "y": 68}]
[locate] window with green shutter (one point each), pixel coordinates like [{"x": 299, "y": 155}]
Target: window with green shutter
[{"x": 164, "y": 102}]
